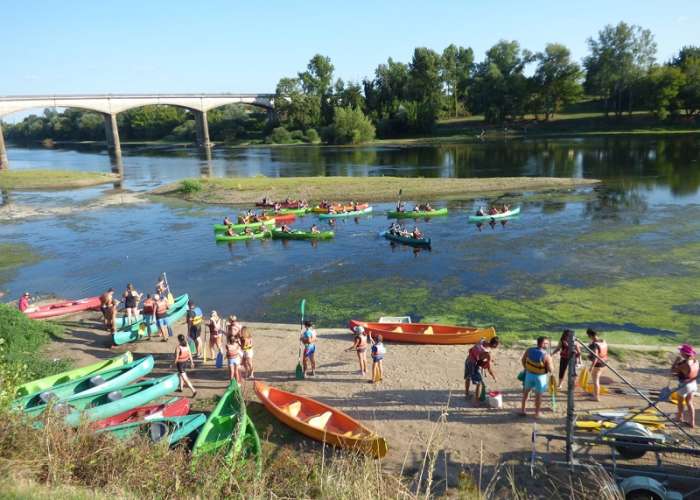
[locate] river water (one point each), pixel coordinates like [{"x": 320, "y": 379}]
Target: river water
[{"x": 567, "y": 258}]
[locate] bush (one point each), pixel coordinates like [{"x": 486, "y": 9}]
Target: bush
[
  {"x": 190, "y": 186},
  {"x": 297, "y": 135},
  {"x": 312, "y": 136},
  {"x": 280, "y": 135},
  {"x": 351, "y": 126}
]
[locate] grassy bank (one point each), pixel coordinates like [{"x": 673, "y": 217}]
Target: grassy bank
[
  {"x": 52, "y": 179},
  {"x": 251, "y": 189}
]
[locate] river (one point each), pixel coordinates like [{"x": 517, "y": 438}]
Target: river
[{"x": 624, "y": 256}]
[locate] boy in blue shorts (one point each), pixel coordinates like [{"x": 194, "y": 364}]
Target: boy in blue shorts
[{"x": 538, "y": 364}]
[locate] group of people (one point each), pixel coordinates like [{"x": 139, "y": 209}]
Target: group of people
[
  {"x": 286, "y": 203},
  {"x": 538, "y": 370},
  {"x": 420, "y": 207},
  {"x": 398, "y": 230},
  {"x": 493, "y": 210},
  {"x": 339, "y": 209},
  {"x": 363, "y": 341},
  {"x": 154, "y": 310}
]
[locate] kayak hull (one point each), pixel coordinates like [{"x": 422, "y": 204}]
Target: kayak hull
[
  {"x": 175, "y": 428},
  {"x": 141, "y": 330},
  {"x": 242, "y": 237},
  {"x": 222, "y": 228},
  {"x": 487, "y": 218},
  {"x": 417, "y": 214},
  {"x": 355, "y": 213},
  {"x": 177, "y": 303},
  {"x": 278, "y": 234},
  {"x": 178, "y": 407},
  {"x": 319, "y": 421},
  {"x": 63, "y": 308},
  {"x": 426, "y": 333},
  {"x": 414, "y": 242}
]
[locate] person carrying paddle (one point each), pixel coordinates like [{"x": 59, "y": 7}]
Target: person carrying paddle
[
  {"x": 233, "y": 357},
  {"x": 308, "y": 338},
  {"x": 378, "y": 352},
  {"x": 538, "y": 364},
  {"x": 598, "y": 362},
  {"x": 314, "y": 229},
  {"x": 227, "y": 221},
  {"x": 478, "y": 360},
  {"x": 686, "y": 368},
  {"x": 162, "y": 316},
  {"x": 247, "y": 346},
  {"x": 359, "y": 345},
  {"x": 183, "y": 356},
  {"x": 563, "y": 349}
]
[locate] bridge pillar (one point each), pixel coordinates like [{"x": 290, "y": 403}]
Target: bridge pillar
[
  {"x": 4, "y": 163},
  {"x": 112, "y": 133},
  {"x": 202, "y": 128}
]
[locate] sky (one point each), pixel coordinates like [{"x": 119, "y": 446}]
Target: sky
[{"x": 69, "y": 47}]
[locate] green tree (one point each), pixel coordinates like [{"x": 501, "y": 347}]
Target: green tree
[
  {"x": 457, "y": 66},
  {"x": 296, "y": 109},
  {"x": 425, "y": 86},
  {"x": 688, "y": 61},
  {"x": 556, "y": 79},
  {"x": 664, "y": 86},
  {"x": 317, "y": 81},
  {"x": 350, "y": 126}
]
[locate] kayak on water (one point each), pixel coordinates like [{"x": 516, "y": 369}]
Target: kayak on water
[
  {"x": 416, "y": 214},
  {"x": 122, "y": 325},
  {"x": 222, "y": 228},
  {"x": 289, "y": 211},
  {"x": 283, "y": 204},
  {"x": 176, "y": 407},
  {"x": 338, "y": 207},
  {"x": 243, "y": 236},
  {"x": 297, "y": 234},
  {"x": 407, "y": 240},
  {"x": 486, "y": 218},
  {"x": 173, "y": 429},
  {"x": 352, "y": 213},
  {"x": 141, "y": 330},
  {"x": 62, "y": 308}
]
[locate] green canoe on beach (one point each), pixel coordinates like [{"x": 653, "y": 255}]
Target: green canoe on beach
[
  {"x": 298, "y": 234},
  {"x": 174, "y": 429},
  {"x": 417, "y": 214}
]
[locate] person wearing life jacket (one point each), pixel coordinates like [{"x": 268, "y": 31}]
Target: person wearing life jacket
[
  {"x": 687, "y": 368},
  {"x": 598, "y": 362},
  {"x": 183, "y": 357},
  {"x": 162, "y": 316},
  {"x": 195, "y": 318},
  {"x": 537, "y": 364},
  {"x": 359, "y": 345},
  {"x": 149, "y": 313},
  {"x": 478, "y": 360},
  {"x": 563, "y": 350}
]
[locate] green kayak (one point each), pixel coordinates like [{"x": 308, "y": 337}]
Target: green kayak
[
  {"x": 251, "y": 443},
  {"x": 90, "y": 384},
  {"x": 110, "y": 402},
  {"x": 47, "y": 383},
  {"x": 221, "y": 228},
  {"x": 177, "y": 303},
  {"x": 242, "y": 236},
  {"x": 487, "y": 218},
  {"x": 352, "y": 213},
  {"x": 140, "y": 330},
  {"x": 173, "y": 429},
  {"x": 416, "y": 214},
  {"x": 406, "y": 240},
  {"x": 225, "y": 429},
  {"x": 287, "y": 211},
  {"x": 297, "y": 234}
]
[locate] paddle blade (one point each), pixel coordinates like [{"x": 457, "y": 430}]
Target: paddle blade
[
  {"x": 482, "y": 396},
  {"x": 302, "y": 307},
  {"x": 299, "y": 372},
  {"x": 193, "y": 347},
  {"x": 219, "y": 360}
]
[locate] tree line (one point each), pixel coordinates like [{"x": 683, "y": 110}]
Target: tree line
[{"x": 620, "y": 74}]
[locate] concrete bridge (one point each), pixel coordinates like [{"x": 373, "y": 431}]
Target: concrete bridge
[{"x": 109, "y": 105}]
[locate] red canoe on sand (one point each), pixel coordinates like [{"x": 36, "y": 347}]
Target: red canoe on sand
[
  {"x": 426, "y": 333},
  {"x": 62, "y": 308},
  {"x": 176, "y": 408}
]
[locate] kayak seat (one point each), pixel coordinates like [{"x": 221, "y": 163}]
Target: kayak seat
[
  {"x": 97, "y": 380},
  {"x": 428, "y": 331},
  {"x": 114, "y": 396},
  {"x": 292, "y": 409},
  {"x": 320, "y": 421},
  {"x": 157, "y": 431},
  {"x": 398, "y": 329},
  {"x": 352, "y": 435},
  {"x": 47, "y": 396}
]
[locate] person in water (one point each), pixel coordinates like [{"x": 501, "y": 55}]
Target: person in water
[
  {"x": 233, "y": 357},
  {"x": 537, "y": 364},
  {"x": 563, "y": 350},
  {"x": 308, "y": 339},
  {"x": 247, "y": 347},
  {"x": 478, "y": 360},
  {"x": 23, "y": 303},
  {"x": 378, "y": 352},
  {"x": 598, "y": 360},
  {"x": 195, "y": 318},
  {"x": 314, "y": 229},
  {"x": 131, "y": 302},
  {"x": 183, "y": 357},
  {"x": 214, "y": 326},
  {"x": 686, "y": 368},
  {"x": 149, "y": 312},
  {"x": 162, "y": 316},
  {"x": 359, "y": 345}
]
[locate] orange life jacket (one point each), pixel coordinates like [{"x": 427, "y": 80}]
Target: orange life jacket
[
  {"x": 161, "y": 307},
  {"x": 148, "y": 306},
  {"x": 601, "y": 346},
  {"x": 183, "y": 354},
  {"x": 693, "y": 370}
]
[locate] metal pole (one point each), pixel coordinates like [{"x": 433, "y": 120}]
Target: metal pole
[{"x": 570, "y": 402}]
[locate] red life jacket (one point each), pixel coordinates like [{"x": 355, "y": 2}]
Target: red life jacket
[
  {"x": 602, "y": 349},
  {"x": 183, "y": 354},
  {"x": 148, "y": 306}
]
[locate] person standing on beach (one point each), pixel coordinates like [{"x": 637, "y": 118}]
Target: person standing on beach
[
  {"x": 214, "y": 325},
  {"x": 247, "y": 347},
  {"x": 686, "y": 368},
  {"x": 563, "y": 350},
  {"x": 233, "y": 357},
  {"x": 131, "y": 302},
  {"x": 537, "y": 363},
  {"x": 195, "y": 317},
  {"x": 598, "y": 361},
  {"x": 308, "y": 338},
  {"x": 478, "y": 360},
  {"x": 359, "y": 345},
  {"x": 378, "y": 352},
  {"x": 162, "y": 316},
  {"x": 183, "y": 356},
  {"x": 105, "y": 302}
]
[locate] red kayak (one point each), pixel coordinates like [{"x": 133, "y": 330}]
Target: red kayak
[
  {"x": 62, "y": 308},
  {"x": 283, "y": 218},
  {"x": 283, "y": 204},
  {"x": 176, "y": 408}
]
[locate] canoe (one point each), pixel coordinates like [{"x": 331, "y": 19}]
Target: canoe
[
  {"x": 222, "y": 228},
  {"x": 251, "y": 443},
  {"x": 337, "y": 207},
  {"x": 176, "y": 407},
  {"x": 242, "y": 237},
  {"x": 109, "y": 403},
  {"x": 487, "y": 218},
  {"x": 416, "y": 214},
  {"x": 289, "y": 211},
  {"x": 426, "y": 333},
  {"x": 62, "y": 308},
  {"x": 177, "y": 303},
  {"x": 89, "y": 384},
  {"x": 291, "y": 204},
  {"x": 173, "y": 429},
  {"x": 282, "y": 218},
  {"x": 225, "y": 429},
  {"x": 47, "y": 383},
  {"x": 297, "y": 234},
  {"x": 320, "y": 421},
  {"x": 405, "y": 240},
  {"x": 140, "y": 330},
  {"x": 352, "y": 213}
]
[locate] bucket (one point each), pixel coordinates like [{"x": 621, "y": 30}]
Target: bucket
[{"x": 495, "y": 399}]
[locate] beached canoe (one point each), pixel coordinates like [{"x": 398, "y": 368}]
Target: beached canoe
[
  {"x": 177, "y": 303},
  {"x": 174, "y": 429},
  {"x": 416, "y": 214},
  {"x": 176, "y": 407},
  {"x": 141, "y": 330},
  {"x": 297, "y": 234},
  {"x": 242, "y": 236},
  {"x": 405, "y": 240},
  {"x": 487, "y": 218},
  {"x": 351, "y": 213},
  {"x": 225, "y": 429},
  {"x": 319, "y": 421},
  {"x": 109, "y": 403},
  {"x": 222, "y": 228},
  {"x": 89, "y": 384},
  {"x": 62, "y": 308},
  {"x": 46, "y": 383},
  {"x": 426, "y": 333}
]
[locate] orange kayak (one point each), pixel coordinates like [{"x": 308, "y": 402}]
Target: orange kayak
[
  {"x": 339, "y": 207},
  {"x": 319, "y": 421},
  {"x": 426, "y": 333}
]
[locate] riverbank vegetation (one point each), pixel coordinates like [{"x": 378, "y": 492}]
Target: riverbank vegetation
[
  {"x": 248, "y": 190},
  {"x": 52, "y": 179}
]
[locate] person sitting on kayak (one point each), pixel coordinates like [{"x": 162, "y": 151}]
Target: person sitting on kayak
[
  {"x": 285, "y": 228},
  {"x": 416, "y": 233},
  {"x": 277, "y": 207},
  {"x": 230, "y": 232},
  {"x": 248, "y": 231},
  {"x": 227, "y": 221},
  {"x": 23, "y": 304},
  {"x": 426, "y": 208},
  {"x": 400, "y": 206},
  {"x": 493, "y": 211},
  {"x": 480, "y": 212},
  {"x": 314, "y": 229}
]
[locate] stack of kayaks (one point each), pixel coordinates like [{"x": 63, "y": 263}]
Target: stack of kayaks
[
  {"x": 406, "y": 240},
  {"x": 229, "y": 430},
  {"x": 347, "y": 213},
  {"x": 176, "y": 407},
  {"x": 486, "y": 218},
  {"x": 417, "y": 214},
  {"x": 243, "y": 236},
  {"x": 141, "y": 330},
  {"x": 62, "y": 308},
  {"x": 297, "y": 234},
  {"x": 222, "y": 228}
]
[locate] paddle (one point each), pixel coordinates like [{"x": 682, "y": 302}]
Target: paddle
[
  {"x": 552, "y": 382},
  {"x": 299, "y": 372},
  {"x": 171, "y": 299}
]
